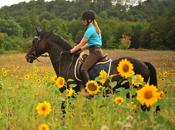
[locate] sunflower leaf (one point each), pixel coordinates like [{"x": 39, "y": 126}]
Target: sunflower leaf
[
  {"x": 56, "y": 88},
  {"x": 144, "y": 116},
  {"x": 119, "y": 89},
  {"x": 113, "y": 84},
  {"x": 124, "y": 92},
  {"x": 125, "y": 81},
  {"x": 69, "y": 80},
  {"x": 72, "y": 85},
  {"x": 133, "y": 91},
  {"x": 112, "y": 75},
  {"x": 98, "y": 78},
  {"x": 49, "y": 84},
  {"x": 61, "y": 99}
]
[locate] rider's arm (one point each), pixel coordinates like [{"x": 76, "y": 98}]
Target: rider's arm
[
  {"x": 84, "y": 47},
  {"x": 81, "y": 44}
]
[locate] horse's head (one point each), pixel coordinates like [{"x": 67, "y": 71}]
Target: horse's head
[{"x": 38, "y": 47}]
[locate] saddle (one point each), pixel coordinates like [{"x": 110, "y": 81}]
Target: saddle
[{"x": 82, "y": 58}]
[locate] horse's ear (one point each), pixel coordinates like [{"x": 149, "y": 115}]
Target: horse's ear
[{"x": 38, "y": 30}]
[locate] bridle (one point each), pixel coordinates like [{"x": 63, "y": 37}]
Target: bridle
[{"x": 34, "y": 55}]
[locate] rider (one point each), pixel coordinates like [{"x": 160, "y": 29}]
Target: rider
[{"x": 92, "y": 39}]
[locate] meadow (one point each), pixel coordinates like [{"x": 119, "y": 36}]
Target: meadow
[{"x": 25, "y": 87}]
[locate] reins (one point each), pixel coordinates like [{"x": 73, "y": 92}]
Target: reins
[{"x": 59, "y": 59}]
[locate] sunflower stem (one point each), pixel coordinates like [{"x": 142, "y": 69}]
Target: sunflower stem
[
  {"x": 67, "y": 100},
  {"x": 130, "y": 94}
]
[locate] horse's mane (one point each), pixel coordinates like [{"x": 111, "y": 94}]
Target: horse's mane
[{"x": 52, "y": 37}]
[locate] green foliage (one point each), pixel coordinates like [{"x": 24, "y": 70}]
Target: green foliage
[
  {"x": 63, "y": 32},
  {"x": 10, "y": 43},
  {"x": 159, "y": 35},
  {"x": 10, "y": 27},
  {"x": 150, "y": 24}
]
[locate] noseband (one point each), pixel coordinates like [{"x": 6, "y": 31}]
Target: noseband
[{"x": 34, "y": 50}]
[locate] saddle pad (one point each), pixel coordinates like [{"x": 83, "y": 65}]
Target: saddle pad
[{"x": 106, "y": 66}]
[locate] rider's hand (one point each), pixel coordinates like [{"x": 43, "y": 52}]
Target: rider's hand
[
  {"x": 66, "y": 52},
  {"x": 78, "y": 51}
]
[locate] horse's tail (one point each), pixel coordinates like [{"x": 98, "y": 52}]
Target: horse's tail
[{"x": 153, "y": 75}]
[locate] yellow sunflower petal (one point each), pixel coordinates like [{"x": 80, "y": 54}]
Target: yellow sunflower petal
[
  {"x": 92, "y": 87},
  {"x": 43, "y": 108},
  {"x": 60, "y": 82},
  {"x": 43, "y": 127},
  {"x": 147, "y": 95},
  {"x": 118, "y": 100},
  {"x": 125, "y": 68},
  {"x": 103, "y": 74}
]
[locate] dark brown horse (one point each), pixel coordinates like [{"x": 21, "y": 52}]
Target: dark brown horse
[{"x": 64, "y": 62}]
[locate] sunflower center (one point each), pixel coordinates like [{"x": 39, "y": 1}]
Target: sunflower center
[
  {"x": 119, "y": 100},
  {"x": 43, "y": 128},
  {"x": 43, "y": 108},
  {"x": 161, "y": 95},
  {"x": 148, "y": 95},
  {"x": 137, "y": 79},
  {"x": 92, "y": 87},
  {"x": 125, "y": 68},
  {"x": 60, "y": 82}
]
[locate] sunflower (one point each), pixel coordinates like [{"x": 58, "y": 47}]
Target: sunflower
[
  {"x": 92, "y": 87},
  {"x": 160, "y": 94},
  {"x": 103, "y": 74},
  {"x": 5, "y": 73},
  {"x": 43, "y": 127},
  {"x": 34, "y": 72},
  {"x": 162, "y": 79},
  {"x": 38, "y": 80},
  {"x": 3, "y": 69},
  {"x": 132, "y": 105},
  {"x": 36, "y": 69},
  {"x": 125, "y": 68},
  {"x": 165, "y": 74},
  {"x": 138, "y": 80},
  {"x": 69, "y": 92},
  {"x": 147, "y": 95},
  {"x": 60, "y": 82},
  {"x": 26, "y": 77},
  {"x": 55, "y": 77},
  {"x": 46, "y": 71},
  {"x": 44, "y": 78},
  {"x": 43, "y": 108},
  {"x": 118, "y": 100}
]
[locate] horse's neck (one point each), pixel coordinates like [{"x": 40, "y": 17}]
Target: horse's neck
[{"x": 60, "y": 64}]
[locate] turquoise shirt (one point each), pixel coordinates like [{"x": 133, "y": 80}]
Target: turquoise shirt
[{"x": 93, "y": 37}]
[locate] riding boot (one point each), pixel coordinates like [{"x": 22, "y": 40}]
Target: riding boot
[{"x": 85, "y": 77}]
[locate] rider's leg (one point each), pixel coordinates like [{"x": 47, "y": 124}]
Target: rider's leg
[{"x": 92, "y": 58}]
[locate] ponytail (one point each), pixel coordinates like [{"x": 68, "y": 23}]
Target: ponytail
[{"x": 96, "y": 26}]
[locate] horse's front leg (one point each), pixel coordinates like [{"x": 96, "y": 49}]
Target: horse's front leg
[{"x": 63, "y": 108}]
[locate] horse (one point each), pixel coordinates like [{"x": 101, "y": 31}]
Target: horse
[{"x": 64, "y": 63}]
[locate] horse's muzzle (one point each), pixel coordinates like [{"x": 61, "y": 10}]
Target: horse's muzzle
[{"x": 29, "y": 59}]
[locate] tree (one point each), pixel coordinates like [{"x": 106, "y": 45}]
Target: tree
[
  {"x": 45, "y": 25},
  {"x": 27, "y": 26},
  {"x": 46, "y": 15},
  {"x": 10, "y": 27}
]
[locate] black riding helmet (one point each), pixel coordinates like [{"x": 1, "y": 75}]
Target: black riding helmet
[{"x": 88, "y": 14}]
